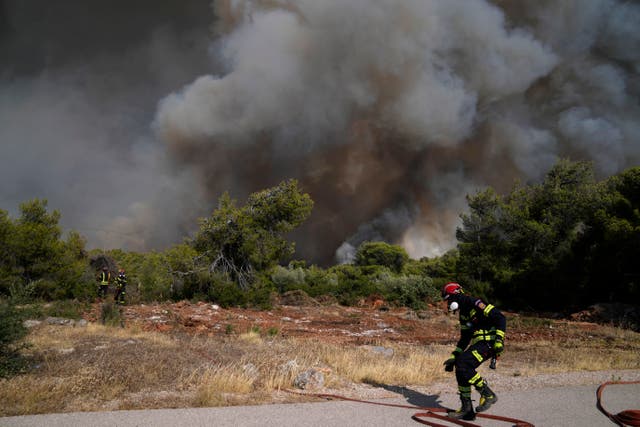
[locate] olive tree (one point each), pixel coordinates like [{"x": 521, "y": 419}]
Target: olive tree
[{"x": 240, "y": 240}]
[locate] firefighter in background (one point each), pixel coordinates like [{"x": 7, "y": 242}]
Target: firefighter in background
[
  {"x": 481, "y": 338},
  {"x": 103, "y": 282},
  {"x": 121, "y": 287}
]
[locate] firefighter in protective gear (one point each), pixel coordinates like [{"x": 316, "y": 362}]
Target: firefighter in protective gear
[
  {"x": 103, "y": 282},
  {"x": 121, "y": 287},
  {"x": 482, "y": 332}
]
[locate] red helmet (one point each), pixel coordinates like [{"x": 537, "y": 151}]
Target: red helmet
[{"x": 451, "y": 288}]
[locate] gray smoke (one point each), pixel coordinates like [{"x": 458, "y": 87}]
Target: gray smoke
[
  {"x": 79, "y": 83},
  {"x": 388, "y": 112}
]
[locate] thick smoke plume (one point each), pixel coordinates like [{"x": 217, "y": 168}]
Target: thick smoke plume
[
  {"x": 391, "y": 112},
  {"x": 79, "y": 84},
  {"x": 387, "y": 112}
]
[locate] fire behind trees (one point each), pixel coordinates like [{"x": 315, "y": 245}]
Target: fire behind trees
[{"x": 560, "y": 245}]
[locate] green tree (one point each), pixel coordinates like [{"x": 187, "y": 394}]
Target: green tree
[
  {"x": 186, "y": 280},
  {"x": 612, "y": 241},
  {"x": 37, "y": 240},
  {"x": 481, "y": 238},
  {"x": 560, "y": 244},
  {"x": 239, "y": 241},
  {"x": 72, "y": 276},
  {"x": 9, "y": 276},
  {"x": 35, "y": 261},
  {"x": 440, "y": 270},
  {"x": 153, "y": 275},
  {"x": 380, "y": 253}
]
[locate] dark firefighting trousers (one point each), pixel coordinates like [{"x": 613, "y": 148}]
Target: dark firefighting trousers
[
  {"x": 466, "y": 364},
  {"x": 102, "y": 290},
  {"x": 120, "y": 293}
]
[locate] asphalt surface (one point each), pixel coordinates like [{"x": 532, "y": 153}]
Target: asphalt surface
[{"x": 553, "y": 407}]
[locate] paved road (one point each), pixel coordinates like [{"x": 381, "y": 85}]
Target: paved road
[{"x": 552, "y": 407}]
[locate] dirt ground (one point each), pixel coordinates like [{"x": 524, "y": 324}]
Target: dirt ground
[{"x": 369, "y": 323}]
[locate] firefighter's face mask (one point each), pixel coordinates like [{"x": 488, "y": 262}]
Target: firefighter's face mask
[{"x": 453, "y": 306}]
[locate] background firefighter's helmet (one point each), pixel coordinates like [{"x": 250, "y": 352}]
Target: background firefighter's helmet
[{"x": 451, "y": 288}]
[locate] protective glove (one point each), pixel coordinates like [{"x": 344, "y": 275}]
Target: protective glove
[
  {"x": 449, "y": 363},
  {"x": 498, "y": 347}
]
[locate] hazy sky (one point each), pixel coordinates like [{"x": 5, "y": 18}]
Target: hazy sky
[{"x": 133, "y": 120}]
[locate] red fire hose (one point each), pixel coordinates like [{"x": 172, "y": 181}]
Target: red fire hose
[
  {"x": 427, "y": 413},
  {"x": 630, "y": 417}
]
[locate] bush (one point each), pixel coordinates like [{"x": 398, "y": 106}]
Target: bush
[
  {"x": 321, "y": 282},
  {"x": 350, "y": 283},
  {"x": 355, "y": 282},
  {"x": 286, "y": 279},
  {"x": 69, "y": 309},
  {"x": 225, "y": 292},
  {"x": 11, "y": 332},
  {"x": 111, "y": 315},
  {"x": 408, "y": 291},
  {"x": 444, "y": 266},
  {"x": 383, "y": 254}
]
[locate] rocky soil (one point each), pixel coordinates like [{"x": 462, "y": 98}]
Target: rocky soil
[{"x": 299, "y": 316}]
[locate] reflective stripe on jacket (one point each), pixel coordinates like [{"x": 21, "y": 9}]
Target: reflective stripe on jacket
[
  {"x": 479, "y": 321},
  {"x": 104, "y": 278}
]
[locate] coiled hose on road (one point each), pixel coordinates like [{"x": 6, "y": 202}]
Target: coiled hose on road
[
  {"x": 429, "y": 413},
  {"x": 630, "y": 417}
]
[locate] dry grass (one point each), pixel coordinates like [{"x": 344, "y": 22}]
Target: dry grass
[
  {"x": 407, "y": 364},
  {"x": 549, "y": 357},
  {"x": 218, "y": 386},
  {"x": 602, "y": 348},
  {"x": 88, "y": 368},
  {"x": 107, "y": 368}
]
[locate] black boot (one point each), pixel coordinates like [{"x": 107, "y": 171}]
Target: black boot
[
  {"x": 466, "y": 410},
  {"x": 487, "y": 398}
]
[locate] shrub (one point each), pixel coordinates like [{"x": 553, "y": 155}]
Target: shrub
[
  {"x": 111, "y": 315},
  {"x": 225, "y": 292},
  {"x": 410, "y": 291},
  {"x": 383, "y": 254},
  {"x": 286, "y": 279},
  {"x": 11, "y": 332},
  {"x": 354, "y": 282}
]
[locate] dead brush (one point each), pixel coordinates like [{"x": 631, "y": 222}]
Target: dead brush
[
  {"x": 89, "y": 368},
  {"x": 572, "y": 355},
  {"x": 99, "y": 367},
  {"x": 407, "y": 365},
  {"x": 219, "y": 385}
]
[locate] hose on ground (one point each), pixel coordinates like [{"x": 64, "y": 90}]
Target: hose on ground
[{"x": 629, "y": 417}]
